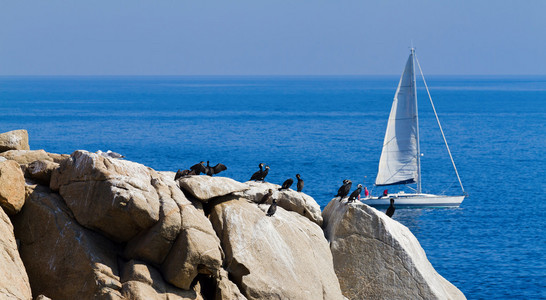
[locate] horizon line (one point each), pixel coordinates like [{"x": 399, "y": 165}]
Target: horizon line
[{"x": 252, "y": 75}]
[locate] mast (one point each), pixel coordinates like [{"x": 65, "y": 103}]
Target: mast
[{"x": 417, "y": 121}]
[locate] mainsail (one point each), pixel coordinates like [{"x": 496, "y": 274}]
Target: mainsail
[{"x": 399, "y": 161}]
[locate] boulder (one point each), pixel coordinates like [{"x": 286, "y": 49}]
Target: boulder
[
  {"x": 375, "y": 257},
  {"x": 290, "y": 200},
  {"x": 24, "y": 157},
  {"x": 40, "y": 171},
  {"x": 154, "y": 244},
  {"x": 14, "y": 283},
  {"x": 63, "y": 259},
  {"x": 14, "y": 140},
  {"x": 280, "y": 257},
  {"x": 196, "y": 250},
  {"x": 12, "y": 187},
  {"x": 115, "y": 197},
  {"x": 205, "y": 187},
  {"x": 143, "y": 282}
]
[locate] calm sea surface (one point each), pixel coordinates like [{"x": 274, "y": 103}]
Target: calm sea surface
[{"x": 328, "y": 129}]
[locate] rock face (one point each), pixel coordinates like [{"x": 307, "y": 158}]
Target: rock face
[
  {"x": 205, "y": 187},
  {"x": 12, "y": 187},
  {"x": 196, "y": 250},
  {"x": 376, "y": 257},
  {"x": 113, "y": 196},
  {"x": 63, "y": 259},
  {"x": 14, "y": 282},
  {"x": 154, "y": 244},
  {"x": 280, "y": 257},
  {"x": 14, "y": 140},
  {"x": 290, "y": 200}
]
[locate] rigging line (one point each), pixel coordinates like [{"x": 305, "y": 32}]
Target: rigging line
[{"x": 439, "y": 125}]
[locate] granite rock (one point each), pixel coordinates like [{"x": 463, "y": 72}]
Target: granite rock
[
  {"x": 375, "y": 257},
  {"x": 280, "y": 257},
  {"x": 12, "y": 187},
  {"x": 14, "y": 140}
]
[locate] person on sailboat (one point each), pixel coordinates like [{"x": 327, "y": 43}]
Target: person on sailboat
[
  {"x": 385, "y": 194},
  {"x": 366, "y": 193}
]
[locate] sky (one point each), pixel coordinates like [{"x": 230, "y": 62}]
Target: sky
[{"x": 298, "y": 37}]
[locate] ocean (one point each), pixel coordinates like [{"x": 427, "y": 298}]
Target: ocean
[{"x": 328, "y": 129}]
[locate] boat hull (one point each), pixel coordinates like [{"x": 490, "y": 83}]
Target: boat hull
[{"x": 415, "y": 201}]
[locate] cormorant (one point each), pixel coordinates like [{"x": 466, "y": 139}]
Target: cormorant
[
  {"x": 199, "y": 168},
  {"x": 300, "y": 182},
  {"x": 214, "y": 170},
  {"x": 272, "y": 209},
  {"x": 208, "y": 170},
  {"x": 266, "y": 197},
  {"x": 264, "y": 173},
  {"x": 258, "y": 174},
  {"x": 344, "y": 190},
  {"x": 355, "y": 194},
  {"x": 286, "y": 184},
  {"x": 391, "y": 209}
]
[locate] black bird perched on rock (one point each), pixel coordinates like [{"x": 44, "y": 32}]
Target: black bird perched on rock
[
  {"x": 184, "y": 173},
  {"x": 391, "y": 209},
  {"x": 258, "y": 174},
  {"x": 266, "y": 197},
  {"x": 272, "y": 209},
  {"x": 264, "y": 173},
  {"x": 199, "y": 168},
  {"x": 286, "y": 184},
  {"x": 300, "y": 182},
  {"x": 343, "y": 191},
  {"x": 355, "y": 193},
  {"x": 215, "y": 170}
]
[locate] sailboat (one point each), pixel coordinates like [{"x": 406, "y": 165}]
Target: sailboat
[{"x": 400, "y": 161}]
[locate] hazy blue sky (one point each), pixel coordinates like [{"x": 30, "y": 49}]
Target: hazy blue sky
[{"x": 270, "y": 37}]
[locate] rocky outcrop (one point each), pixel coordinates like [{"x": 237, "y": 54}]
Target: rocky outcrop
[
  {"x": 290, "y": 200},
  {"x": 63, "y": 259},
  {"x": 205, "y": 187},
  {"x": 144, "y": 282},
  {"x": 376, "y": 257},
  {"x": 14, "y": 283},
  {"x": 113, "y": 196},
  {"x": 12, "y": 187},
  {"x": 199, "y": 237},
  {"x": 280, "y": 257},
  {"x": 14, "y": 140}
]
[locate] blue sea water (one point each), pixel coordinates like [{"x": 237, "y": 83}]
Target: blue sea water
[{"x": 329, "y": 129}]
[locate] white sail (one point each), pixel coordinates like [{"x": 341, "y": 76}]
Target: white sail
[{"x": 398, "y": 163}]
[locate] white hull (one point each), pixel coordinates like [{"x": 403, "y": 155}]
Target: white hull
[{"x": 414, "y": 200}]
